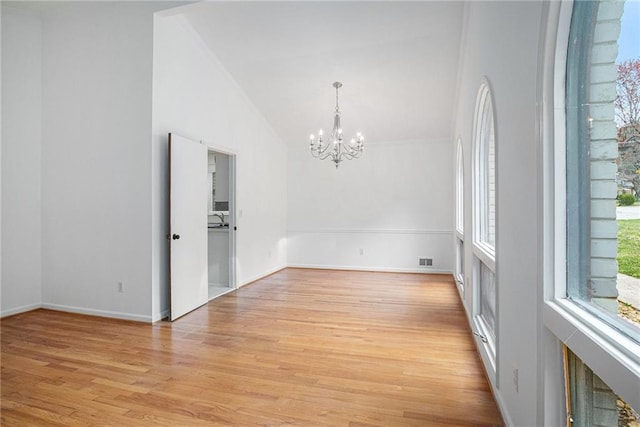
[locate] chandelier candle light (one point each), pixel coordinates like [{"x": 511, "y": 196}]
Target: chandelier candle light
[{"x": 336, "y": 149}]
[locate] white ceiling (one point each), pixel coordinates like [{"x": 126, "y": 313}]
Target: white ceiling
[{"x": 397, "y": 60}]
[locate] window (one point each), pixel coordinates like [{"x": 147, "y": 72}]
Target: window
[
  {"x": 591, "y": 152},
  {"x": 484, "y": 224},
  {"x": 584, "y": 296},
  {"x": 459, "y": 273},
  {"x": 459, "y": 239},
  {"x": 485, "y": 168}
]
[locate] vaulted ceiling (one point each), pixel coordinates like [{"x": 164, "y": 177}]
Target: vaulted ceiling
[{"x": 398, "y": 62}]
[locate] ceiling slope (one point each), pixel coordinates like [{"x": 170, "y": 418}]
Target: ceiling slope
[{"x": 397, "y": 60}]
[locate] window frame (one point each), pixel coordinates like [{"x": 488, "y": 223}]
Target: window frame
[
  {"x": 485, "y": 110},
  {"x": 483, "y": 251},
  {"x": 612, "y": 355}
]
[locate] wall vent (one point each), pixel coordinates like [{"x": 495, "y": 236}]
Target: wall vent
[{"x": 425, "y": 262}]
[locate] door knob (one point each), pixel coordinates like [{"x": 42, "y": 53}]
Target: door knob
[{"x": 175, "y": 236}]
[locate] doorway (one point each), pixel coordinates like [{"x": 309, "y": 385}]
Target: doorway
[{"x": 220, "y": 223}]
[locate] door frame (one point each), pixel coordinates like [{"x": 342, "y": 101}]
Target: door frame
[{"x": 233, "y": 228}]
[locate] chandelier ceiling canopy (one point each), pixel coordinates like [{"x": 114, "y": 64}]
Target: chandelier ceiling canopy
[{"x": 336, "y": 149}]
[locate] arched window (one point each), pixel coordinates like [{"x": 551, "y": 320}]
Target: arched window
[
  {"x": 484, "y": 221},
  {"x": 587, "y": 153},
  {"x": 485, "y": 172}
]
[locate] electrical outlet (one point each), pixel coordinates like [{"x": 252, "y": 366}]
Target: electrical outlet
[
  {"x": 361, "y": 251},
  {"x": 515, "y": 379},
  {"x": 120, "y": 287}
]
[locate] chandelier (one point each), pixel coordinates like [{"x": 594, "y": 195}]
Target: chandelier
[{"x": 336, "y": 149}]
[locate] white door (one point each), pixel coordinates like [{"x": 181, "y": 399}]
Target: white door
[{"x": 188, "y": 225}]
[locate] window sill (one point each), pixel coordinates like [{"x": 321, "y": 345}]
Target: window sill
[
  {"x": 486, "y": 345},
  {"x": 486, "y": 254},
  {"x": 613, "y": 356}
]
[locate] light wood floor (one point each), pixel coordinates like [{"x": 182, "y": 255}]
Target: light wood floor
[{"x": 301, "y": 347}]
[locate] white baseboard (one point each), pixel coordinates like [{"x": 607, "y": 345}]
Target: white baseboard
[
  {"x": 375, "y": 269},
  {"x": 165, "y": 313},
  {"x": 18, "y": 310},
  {"x": 159, "y": 316},
  {"x": 502, "y": 407},
  {"x": 262, "y": 276},
  {"x": 99, "y": 313}
]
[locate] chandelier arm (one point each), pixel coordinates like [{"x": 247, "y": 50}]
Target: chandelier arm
[
  {"x": 324, "y": 154},
  {"x": 330, "y": 154},
  {"x": 347, "y": 152},
  {"x": 354, "y": 153},
  {"x": 348, "y": 156},
  {"x": 318, "y": 153},
  {"x": 352, "y": 149}
]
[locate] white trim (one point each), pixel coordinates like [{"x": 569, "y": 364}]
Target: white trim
[
  {"x": 21, "y": 309},
  {"x": 502, "y": 406},
  {"x": 99, "y": 313},
  {"x": 233, "y": 220},
  {"x": 549, "y": 365},
  {"x": 610, "y": 354},
  {"x": 159, "y": 316},
  {"x": 370, "y": 230},
  {"x": 424, "y": 270},
  {"x": 557, "y": 148},
  {"x": 486, "y": 254},
  {"x": 86, "y": 311},
  {"x": 261, "y": 276}
]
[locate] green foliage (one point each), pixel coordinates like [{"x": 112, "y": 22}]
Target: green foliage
[
  {"x": 626, "y": 199},
  {"x": 629, "y": 247}
]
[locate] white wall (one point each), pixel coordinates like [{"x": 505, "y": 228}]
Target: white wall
[
  {"x": 0, "y": 160},
  {"x": 96, "y": 158},
  {"x": 502, "y": 44},
  {"x": 21, "y": 160},
  {"x": 394, "y": 203},
  {"x": 195, "y": 97}
]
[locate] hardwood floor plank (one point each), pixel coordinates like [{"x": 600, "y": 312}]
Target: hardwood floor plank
[{"x": 300, "y": 348}]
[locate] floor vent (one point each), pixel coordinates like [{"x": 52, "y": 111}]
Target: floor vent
[{"x": 425, "y": 262}]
